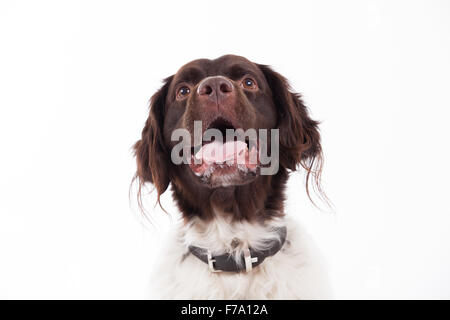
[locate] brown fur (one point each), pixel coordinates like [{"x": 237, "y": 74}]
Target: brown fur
[{"x": 272, "y": 106}]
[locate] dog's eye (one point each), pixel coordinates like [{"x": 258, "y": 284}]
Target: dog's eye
[
  {"x": 183, "y": 92},
  {"x": 249, "y": 83}
]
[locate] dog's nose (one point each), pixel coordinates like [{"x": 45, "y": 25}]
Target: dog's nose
[{"x": 216, "y": 88}]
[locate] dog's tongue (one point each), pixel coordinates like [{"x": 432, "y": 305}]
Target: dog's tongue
[{"x": 218, "y": 152}]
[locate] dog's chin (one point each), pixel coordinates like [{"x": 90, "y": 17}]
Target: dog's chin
[{"x": 223, "y": 175}]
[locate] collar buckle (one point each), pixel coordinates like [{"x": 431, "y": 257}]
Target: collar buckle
[
  {"x": 211, "y": 262},
  {"x": 249, "y": 260}
]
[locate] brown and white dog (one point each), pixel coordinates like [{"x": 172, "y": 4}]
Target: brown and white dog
[{"x": 234, "y": 241}]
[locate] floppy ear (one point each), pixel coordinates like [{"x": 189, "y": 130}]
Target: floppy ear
[
  {"x": 299, "y": 134},
  {"x": 151, "y": 153}
]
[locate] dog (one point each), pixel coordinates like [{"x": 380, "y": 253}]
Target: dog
[{"x": 234, "y": 240}]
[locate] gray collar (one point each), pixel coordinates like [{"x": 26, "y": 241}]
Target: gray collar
[{"x": 249, "y": 259}]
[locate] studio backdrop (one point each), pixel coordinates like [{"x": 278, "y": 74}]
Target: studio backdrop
[{"x": 75, "y": 82}]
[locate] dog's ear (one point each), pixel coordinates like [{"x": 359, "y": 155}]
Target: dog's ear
[
  {"x": 151, "y": 153},
  {"x": 299, "y": 134}
]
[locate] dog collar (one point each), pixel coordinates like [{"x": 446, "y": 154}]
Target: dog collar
[{"x": 249, "y": 259}]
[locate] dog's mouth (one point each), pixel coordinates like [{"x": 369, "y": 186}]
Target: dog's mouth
[{"x": 226, "y": 158}]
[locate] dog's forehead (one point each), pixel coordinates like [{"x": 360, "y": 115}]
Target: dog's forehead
[{"x": 217, "y": 66}]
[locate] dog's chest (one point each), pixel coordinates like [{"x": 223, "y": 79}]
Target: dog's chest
[{"x": 295, "y": 272}]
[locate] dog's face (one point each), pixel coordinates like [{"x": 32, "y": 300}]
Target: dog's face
[
  {"x": 224, "y": 94},
  {"x": 227, "y": 93}
]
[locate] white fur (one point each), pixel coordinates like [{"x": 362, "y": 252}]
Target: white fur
[{"x": 295, "y": 272}]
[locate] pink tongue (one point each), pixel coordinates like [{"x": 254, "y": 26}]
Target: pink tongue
[{"x": 219, "y": 152}]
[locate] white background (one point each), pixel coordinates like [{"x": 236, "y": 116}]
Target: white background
[{"x": 75, "y": 79}]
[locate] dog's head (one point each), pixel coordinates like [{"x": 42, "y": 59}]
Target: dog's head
[{"x": 222, "y": 95}]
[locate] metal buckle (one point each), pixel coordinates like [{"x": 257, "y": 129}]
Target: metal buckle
[
  {"x": 249, "y": 260},
  {"x": 210, "y": 262}
]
